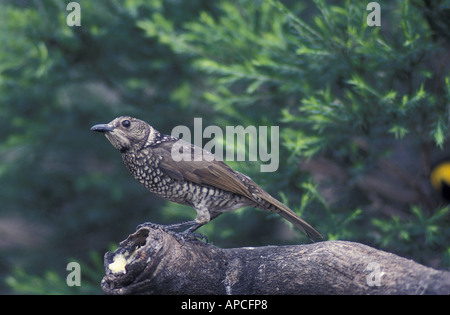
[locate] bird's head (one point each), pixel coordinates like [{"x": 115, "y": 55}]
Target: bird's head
[{"x": 126, "y": 133}]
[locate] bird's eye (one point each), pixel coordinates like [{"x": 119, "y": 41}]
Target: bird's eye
[{"x": 126, "y": 123}]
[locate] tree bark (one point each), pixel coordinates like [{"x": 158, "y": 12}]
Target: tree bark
[{"x": 154, "y": 261}]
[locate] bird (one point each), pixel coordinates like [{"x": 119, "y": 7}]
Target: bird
[
  {"x": 201, "y": 181},
  {"x": 440, "y": 178}
]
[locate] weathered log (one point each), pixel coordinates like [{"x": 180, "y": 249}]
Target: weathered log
[{"x": 153, "y": 261}]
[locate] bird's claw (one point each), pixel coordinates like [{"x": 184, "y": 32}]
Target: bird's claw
[
  {"x": 191, "y": 236},
  {"x": 149, "y": 225},
  {"x": 180, "y": 237}
]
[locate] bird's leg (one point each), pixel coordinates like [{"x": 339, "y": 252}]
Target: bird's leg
[{"x": 203, "y": 217}]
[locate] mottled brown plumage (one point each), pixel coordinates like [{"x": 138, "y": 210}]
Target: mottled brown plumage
[{"x": 208, "y": 185}]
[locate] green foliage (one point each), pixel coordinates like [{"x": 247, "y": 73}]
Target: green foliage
[
  {"x": 49, "y": 283},
  {"x": 363, "y": 113},
  {"x": 53, "y": 283},
  {"x": 420, "y": 236}
]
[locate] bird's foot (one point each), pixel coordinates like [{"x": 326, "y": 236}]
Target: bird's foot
[
  {"x": 190, "y": 236},
  {"x": 149, "y": 225},
  {"x": 181, "y": 237}
]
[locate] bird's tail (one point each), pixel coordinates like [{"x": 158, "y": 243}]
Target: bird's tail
[
  {"x": 292, "y": 217},
  {"x": 304, "y": 226}
]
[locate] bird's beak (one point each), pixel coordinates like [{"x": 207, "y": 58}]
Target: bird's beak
[{"x": 102, "y": 128}]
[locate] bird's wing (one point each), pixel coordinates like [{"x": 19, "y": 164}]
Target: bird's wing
[{"x": 203, "y": 168}]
